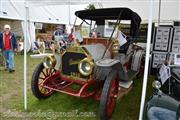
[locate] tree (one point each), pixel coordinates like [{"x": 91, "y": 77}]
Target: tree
[{"x": 90, "y": 7}]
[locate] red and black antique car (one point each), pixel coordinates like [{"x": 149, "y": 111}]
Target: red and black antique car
[{"x": 100, "y": 66}]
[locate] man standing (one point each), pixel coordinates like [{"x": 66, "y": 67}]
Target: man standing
[
  {"x": 58, "y": 34},
  {"x": 8, "y": 46}
]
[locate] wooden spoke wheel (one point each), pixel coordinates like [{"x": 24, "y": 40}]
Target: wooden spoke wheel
[{"x": 40, "y": 76}]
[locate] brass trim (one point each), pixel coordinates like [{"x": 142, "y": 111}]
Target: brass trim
[
  {"x": 115, "y": 47},
  {"x": 74, "y": 77},
  {"x": 52, "y": 59},
  {"x": 76, "y": 49}
]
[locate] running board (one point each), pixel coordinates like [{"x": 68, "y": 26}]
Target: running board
[{"x": 125, "y": 84}]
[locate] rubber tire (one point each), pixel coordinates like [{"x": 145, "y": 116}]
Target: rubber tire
[
  {"x": 104, "y": 96},
  {"x": 34, "y": 82}
]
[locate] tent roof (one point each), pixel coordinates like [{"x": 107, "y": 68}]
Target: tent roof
[
  {"x": 65, "y": 2},
  {"x": 15, "y": 9}
]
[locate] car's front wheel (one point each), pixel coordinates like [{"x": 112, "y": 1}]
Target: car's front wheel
[
  {"x": 40, "y": 75},
  {"x": 108, "y": 96}
]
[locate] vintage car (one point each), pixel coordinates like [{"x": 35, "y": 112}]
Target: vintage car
[
  {"x": 164, "y": 103},
  {"x": 99, "y": 66}
]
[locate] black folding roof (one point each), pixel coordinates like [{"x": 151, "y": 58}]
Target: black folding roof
[
  {"x": 112, "y": 14},
  {"x": 107, "y": 13}
]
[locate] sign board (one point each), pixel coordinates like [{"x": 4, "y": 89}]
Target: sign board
[
  {"x": 121, "y": 38},
  {"x": 78, "y": 35},
  {"x": 164, "y": 73},
  {"x": 108, "y": 31},
  {"x": 38, "y": 26},
  {"x": 177, "y": 59}
]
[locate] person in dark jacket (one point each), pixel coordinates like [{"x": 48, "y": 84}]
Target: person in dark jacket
[{"x": 8, "y": 45}]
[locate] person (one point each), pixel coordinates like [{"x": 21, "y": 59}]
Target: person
[
  {"x": 71, "y": 37},
  {"x": 65, "y": 35},
  {"x": 40, "y": 44},
  {"x": 8, "y": 45},
  {"x": 94, "y": 34},
  {"x": 58, "y": 38},
  {"x": 58, "y": 34}
]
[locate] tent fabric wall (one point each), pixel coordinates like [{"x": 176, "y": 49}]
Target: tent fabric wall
[
  {"x": 53, "y": 14},
  {"x": 28, "y": 40},
  {"x": 32, "y": 34},
  {"x": 170, "y": 10},
  {"x": 11, "y": 10},
  {"x": 56, "y": 14},
  {"x": 43, "y": 15}
]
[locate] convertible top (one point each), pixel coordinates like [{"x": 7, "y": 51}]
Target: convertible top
[
  {"x": 108, "y": 14},
  {"x": 100, "y": 15}
]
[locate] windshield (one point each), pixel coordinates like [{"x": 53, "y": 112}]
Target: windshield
[{"x": 90, "y": 29}]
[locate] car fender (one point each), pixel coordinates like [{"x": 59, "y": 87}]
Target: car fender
[
  {"x": 41, "y": 56},
  {"x": 163, "y": 101},
  {"x": 104, "y": 67}
]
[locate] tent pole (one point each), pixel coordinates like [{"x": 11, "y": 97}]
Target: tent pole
[
  {"x": 69, "y": 12},
  {"x": 159, "y": 13},
  {"x": 1, "y": 8},
  {"x": 143, "y": 96},
  {"x": 25, "y": 54}
]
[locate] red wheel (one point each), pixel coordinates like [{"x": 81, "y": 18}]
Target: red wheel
[
  {"x": 112, "y": 98},
  {"x": 39, "y": 79},
  {"x": 109, "y": 97}
]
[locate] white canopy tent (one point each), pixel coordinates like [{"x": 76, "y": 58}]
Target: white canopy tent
[
  {"x": 170, "y": 11},
  {"x": 42, "y": 10},
  {"x": 52, "y": 14},
  {"x": 11, "y": 10},
  {"x": 14, "y": 11},
  {"x": 62, "y": 11},
  {"x": 55, "y": 14}
]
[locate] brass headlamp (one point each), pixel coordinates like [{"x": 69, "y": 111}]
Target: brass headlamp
[
  {"x": 49, "y": 61},
  {"x": 86, "y": 66}
]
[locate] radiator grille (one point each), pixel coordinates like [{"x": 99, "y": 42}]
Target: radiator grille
[{"x": 70, "y": 62}]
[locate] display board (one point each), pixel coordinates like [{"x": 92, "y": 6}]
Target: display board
[
  {"x": 125, "y": 28},
  {"x": 158, "y": 58},
  {"x": 177, "y": 59},
  {"x": 162, "y": 39},
  {"x": 176, "y": 40},
  {"x": 166, "y": 43}
]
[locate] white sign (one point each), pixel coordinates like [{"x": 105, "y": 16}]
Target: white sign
[
  {"x": 38, "y": 26},
  {"x": 108, "y": 31},
  {"x": 78, "y": 36},
  {"x": 164, "y": 73},
  {"x": 177, "y": 59},
  {"x": 121, "y": 38}
]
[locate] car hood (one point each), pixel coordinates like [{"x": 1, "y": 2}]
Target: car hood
[{"x": 97, "y": 51}]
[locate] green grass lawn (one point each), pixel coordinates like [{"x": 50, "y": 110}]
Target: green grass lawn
[{"x": 58, "y": 106}]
